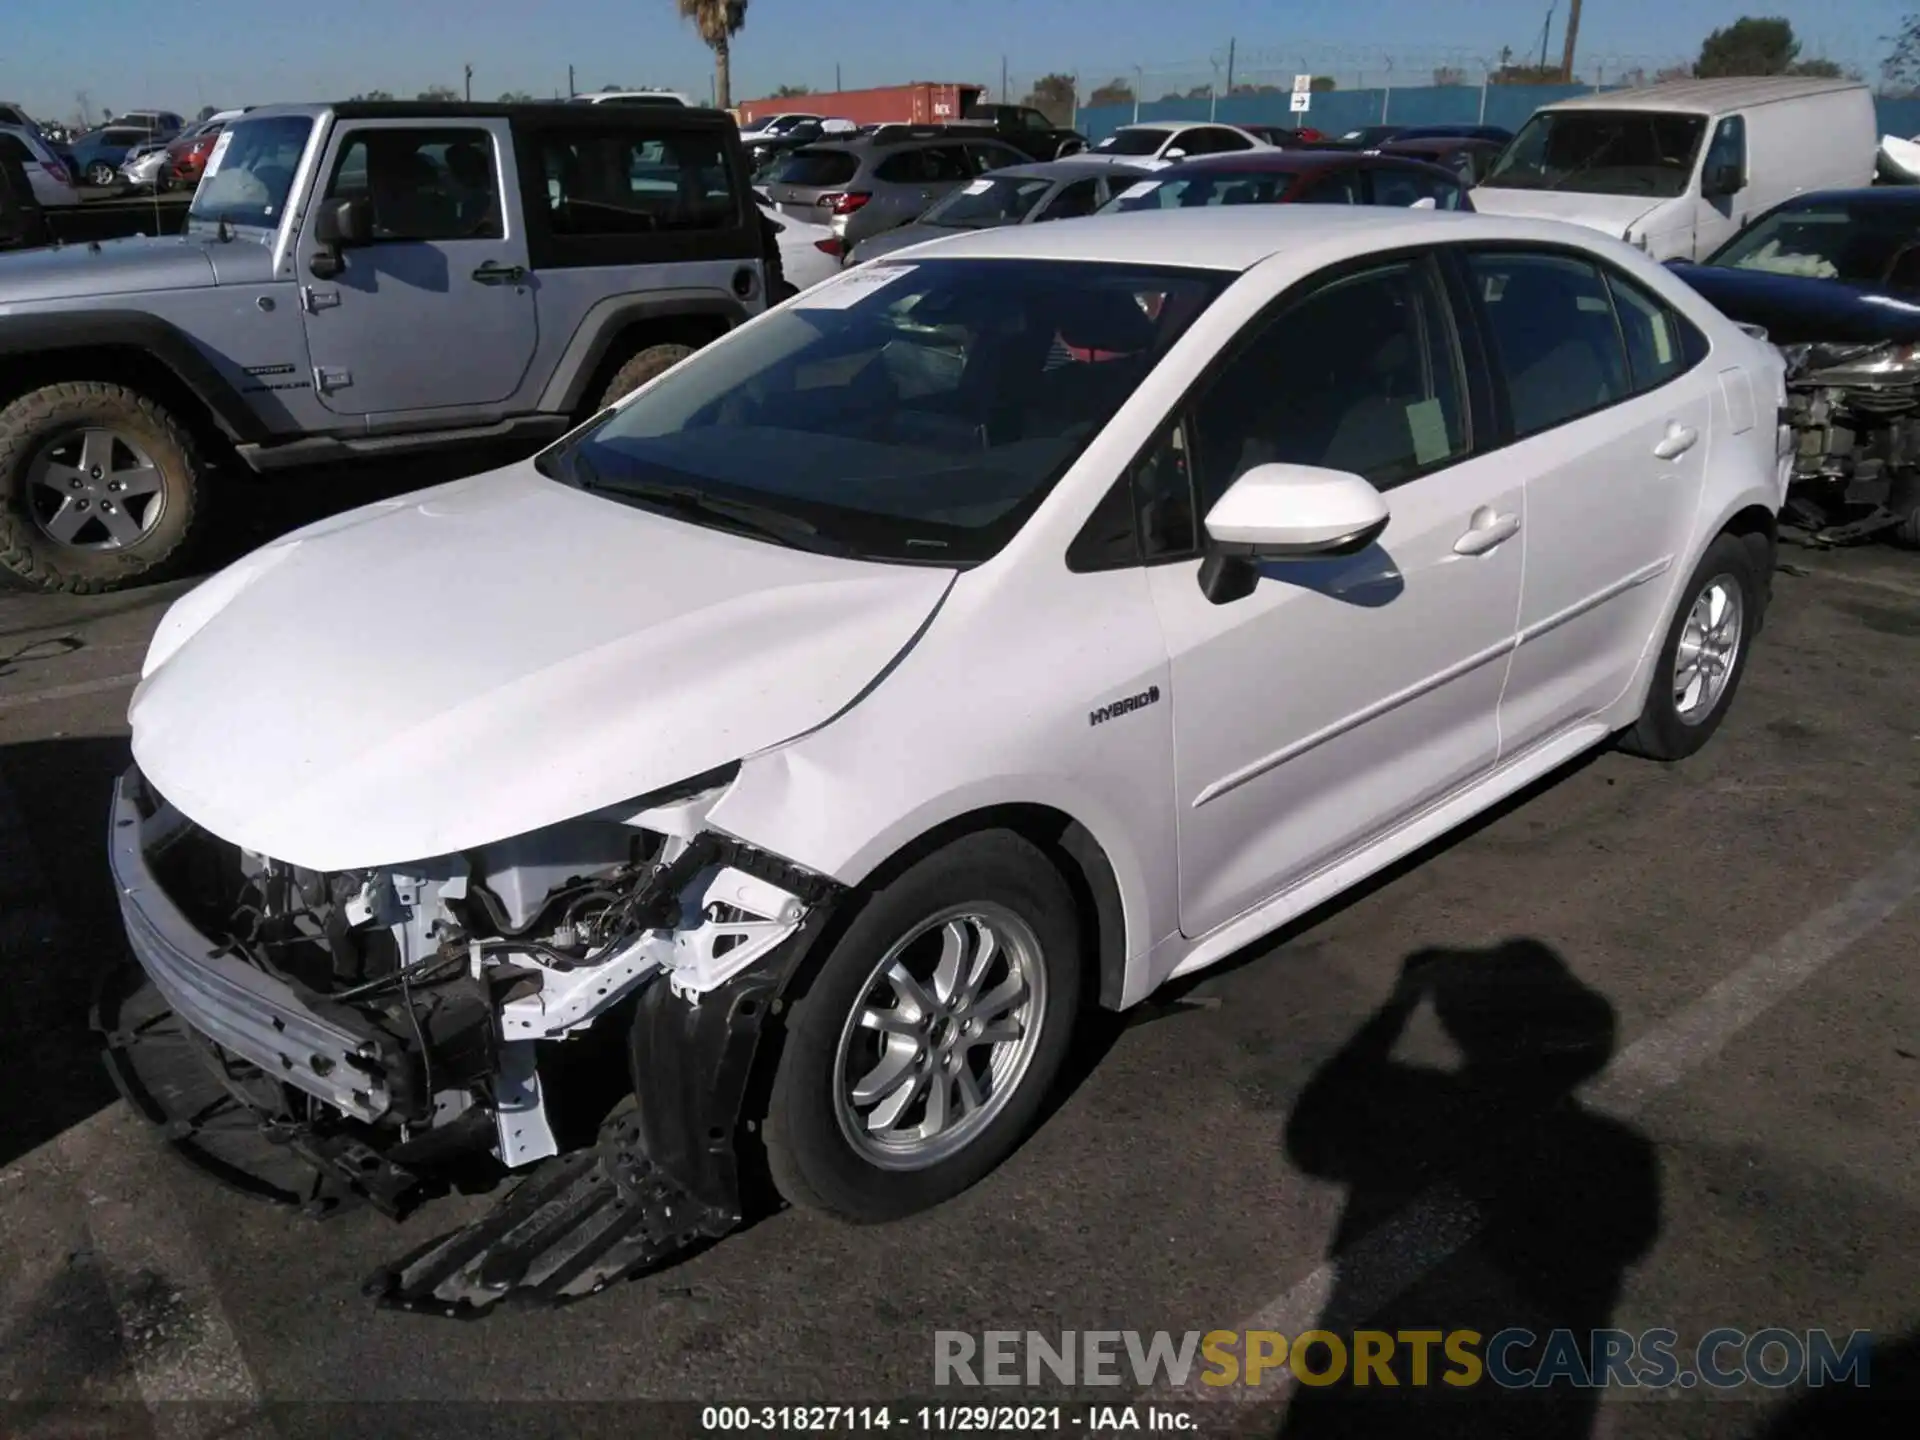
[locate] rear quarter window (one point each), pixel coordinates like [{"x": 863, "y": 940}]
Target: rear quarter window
[
  {"x": 816, "y": 167},
  {"x": 625, "y": 181}
]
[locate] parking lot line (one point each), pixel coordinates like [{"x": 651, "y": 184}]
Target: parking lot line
[{"x": 1393, "y": 1258}]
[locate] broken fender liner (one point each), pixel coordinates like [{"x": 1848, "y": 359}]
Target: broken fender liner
[{"x": 662, "y": 1179}]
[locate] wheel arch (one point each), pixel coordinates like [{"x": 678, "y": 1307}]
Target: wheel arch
[
  {"x": 126, "y": 348},
  {"x": 616, "y": 328}
]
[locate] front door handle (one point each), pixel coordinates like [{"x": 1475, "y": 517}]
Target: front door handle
[
  {"x": 1679, "y": 439},
  {"x": 1486, "y": 530},
  {"x": 493, "y": 274}
]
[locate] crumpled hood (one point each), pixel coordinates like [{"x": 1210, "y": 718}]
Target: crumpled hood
[
  {"x": 1611, "y": 213},
  {"x": 490, "y": 657},
  {"x": 1803, "y": 309},
  {"x": 112, "y": 267}
]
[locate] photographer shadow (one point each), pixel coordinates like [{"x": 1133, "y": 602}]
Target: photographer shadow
[{"x": 1528, "y": 1207}]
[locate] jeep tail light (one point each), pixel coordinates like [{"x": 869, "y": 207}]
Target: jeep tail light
[
  {"x": 58, "y": 172},
  {"x": 833, "y": 245},
  {"x": 852, "y": 200}
]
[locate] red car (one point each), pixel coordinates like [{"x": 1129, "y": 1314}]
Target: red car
[
  {"x": 1295, "y": 177},
  {"x": 187, "y": 156}
]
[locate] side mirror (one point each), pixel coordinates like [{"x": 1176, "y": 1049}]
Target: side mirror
[
  {"x": 1174, "y": 154},
  {"x": 1425, "y": 202},
  {"x": 336, "y": 225},
  {"x": 1722, "y": 180},
  {"x": 1286, "y": 512}
]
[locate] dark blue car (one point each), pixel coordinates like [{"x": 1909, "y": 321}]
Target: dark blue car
[{"x": 98, "y": 153}]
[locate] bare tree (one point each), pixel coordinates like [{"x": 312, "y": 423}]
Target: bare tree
[{"x": 718, "y": 21}]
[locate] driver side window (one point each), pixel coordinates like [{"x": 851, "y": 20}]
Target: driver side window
[{"x": 424, "y": 185}]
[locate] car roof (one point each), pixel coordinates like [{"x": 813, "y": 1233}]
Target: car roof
[
  {"x": 560, "y": 111},
  {"x": 1877, "y": 197},
  {"x": 1236, "y": 238},
  {"x": 1708, "y": 97},
  {"x": 1290, "y": 162}
]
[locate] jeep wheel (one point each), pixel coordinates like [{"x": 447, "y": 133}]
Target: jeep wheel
[
  {"x": 652, "y": 361},
  {"x": 99, "y": 488},
  {"x": 100, "y": 174},
  {"x": 921, "y": 1052}
]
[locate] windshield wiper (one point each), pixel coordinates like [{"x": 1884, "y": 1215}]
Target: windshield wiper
[{"x": 761, "y": 519}]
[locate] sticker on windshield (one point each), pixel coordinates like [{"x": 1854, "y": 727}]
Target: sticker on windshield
[
  {"x": 851, "y": 288},
  {"x": 219, "y": 154},
  {"x": 1139, "y": 188},
  {"x": 978, "y": 187}
]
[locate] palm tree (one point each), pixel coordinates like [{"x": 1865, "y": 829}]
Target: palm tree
[{"x": 718, "y": 21}]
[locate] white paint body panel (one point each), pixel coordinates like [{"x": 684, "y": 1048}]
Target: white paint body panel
[{"x": 501, "y": 654}]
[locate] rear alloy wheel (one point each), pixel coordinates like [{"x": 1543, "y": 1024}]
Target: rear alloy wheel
[
  {"x": 100, "y": 174},
  {"x": 1704, "y": 654},
  {"x": 652, "y": 361},
  {"x": 922, "y": 1051},
  {"x": 99, "y": 488}
]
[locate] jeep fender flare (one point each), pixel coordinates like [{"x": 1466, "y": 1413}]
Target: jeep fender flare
[
  {"x": 605, "y": 320},
  {"x": 65, "y": 331}
]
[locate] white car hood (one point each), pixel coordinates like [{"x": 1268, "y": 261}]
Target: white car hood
[
  {"x": 1611, "y": 213},
  {"x": 489, "y": 657}
]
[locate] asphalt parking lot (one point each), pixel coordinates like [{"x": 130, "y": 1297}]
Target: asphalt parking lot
[{"x": 1732, "y": 938}]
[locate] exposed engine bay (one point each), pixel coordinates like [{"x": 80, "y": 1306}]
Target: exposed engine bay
[
  {"x": 384, "y": 1025},
  {"x": 1854, "y": 408}
]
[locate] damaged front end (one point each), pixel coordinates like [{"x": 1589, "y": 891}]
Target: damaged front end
[
  {"x": 1854, "y": 409},
  {"x": 587, "y": 1000}
]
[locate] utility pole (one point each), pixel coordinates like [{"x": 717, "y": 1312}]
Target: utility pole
[
  {"x": 469, "y": 82},
  {"x": 571, "y": 91},
  {"x": 1231, "y": 42},
  {"x": 836, "y": 75},
  {"x": 1003, "y": 80},
  {"x": 1573, "y": 36},
  {"x": 1546, "y": 31}
]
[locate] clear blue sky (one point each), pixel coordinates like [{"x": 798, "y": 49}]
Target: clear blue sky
[{"x": 181, "y": 54}]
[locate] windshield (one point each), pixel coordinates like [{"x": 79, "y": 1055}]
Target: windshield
[
  {"x": 913, "y": 412},
  {"x": 1216, "y": 187},
  {"x": 250, "y": 172},
  {"x": 1602, "y": 152},
  {"x": 1863, "y": 244},
  {"x": 1131, "y": 141},
  {"x": 1001, "y": 200}
]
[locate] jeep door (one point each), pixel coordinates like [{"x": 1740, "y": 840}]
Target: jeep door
[{"x": 436, "y": 309}]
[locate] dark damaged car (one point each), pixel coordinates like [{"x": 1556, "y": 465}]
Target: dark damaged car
[{"x": 1834, "y": 280}]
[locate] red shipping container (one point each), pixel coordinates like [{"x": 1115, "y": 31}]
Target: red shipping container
[{"x": 923, "y": 102}]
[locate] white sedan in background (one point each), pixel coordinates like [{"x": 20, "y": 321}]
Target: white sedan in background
[
  {"x": 1152, "y": 144},
  {"x": 808, "y": 253},
  {"x": 1002, "y": 627}
]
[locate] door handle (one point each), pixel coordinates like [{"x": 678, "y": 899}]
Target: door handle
[
  {"x": 1679, "y": 439},
  {"x": 493, "y": 274},
  {"x": 1485, "y": 531}
]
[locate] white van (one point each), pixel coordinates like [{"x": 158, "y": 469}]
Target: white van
[{"x": 1677, "y": 168}]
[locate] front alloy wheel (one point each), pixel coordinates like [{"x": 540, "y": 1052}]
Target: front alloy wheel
[
  {"x": 919, "y": 1052},
  {"x": 100, "y": 174},
  {"x": 942, "y": 1037}
]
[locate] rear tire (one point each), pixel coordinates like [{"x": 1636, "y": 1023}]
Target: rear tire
[
  {"x": 992, "y": 1058},
  {"x": 66, "y": 528},
  {"x": 1704, "y": 653},
  {"x": 652, "y": 361}
]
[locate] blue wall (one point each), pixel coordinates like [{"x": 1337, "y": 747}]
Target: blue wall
[{"x": 1337, "y": 111}]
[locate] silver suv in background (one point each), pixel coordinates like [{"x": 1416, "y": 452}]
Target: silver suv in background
[{"x": 878, "y": 179}]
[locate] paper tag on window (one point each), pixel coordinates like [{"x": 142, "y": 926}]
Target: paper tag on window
[
  {"x": 978, "y": 187},
  {"x": 848, "y": 290},
  {"x": 1427, "y": 423},
  {"x": 1662, "y": 342},
  {"x": 219, "y": 154},
  {"x": 1139, "y": 188}
]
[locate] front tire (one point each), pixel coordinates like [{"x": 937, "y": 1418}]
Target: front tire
[
  {"x": 922, "y": 1051},
  {"x": 1704, "y": 653},
  {"x": 100, "y": 174},
  {"x": 100, "y": 488}
]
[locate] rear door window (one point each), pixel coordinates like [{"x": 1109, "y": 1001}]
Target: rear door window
[
  {"x": 1660, "y": 344},
  {"x": 1554, "y": 334},
  {"x": 1334, "y": 187},
  {"x": 1393, "y": 186}
]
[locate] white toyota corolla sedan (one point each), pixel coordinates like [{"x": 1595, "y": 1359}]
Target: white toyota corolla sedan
[{"x": 988, "y": 633}]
